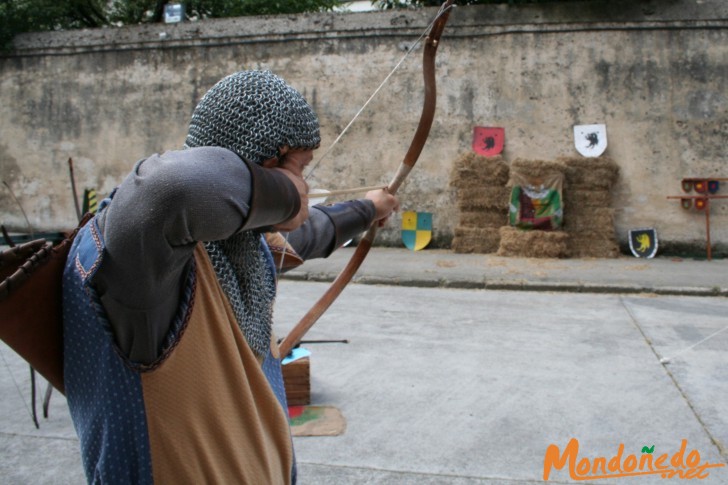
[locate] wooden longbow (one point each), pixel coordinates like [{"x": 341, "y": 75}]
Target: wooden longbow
[{"x": 432, "y": 41}]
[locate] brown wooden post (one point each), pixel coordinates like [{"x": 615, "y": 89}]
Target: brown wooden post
[{"x": 707, "y": 227}]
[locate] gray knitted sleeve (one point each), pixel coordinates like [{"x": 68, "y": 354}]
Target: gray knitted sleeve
[
  {"x": 328, "y": 227},
  {"x": 159, "y": 212}
]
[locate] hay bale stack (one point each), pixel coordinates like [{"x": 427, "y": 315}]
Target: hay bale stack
[
  {"x": 484, "y": 184},
  {"x": 588, "y": 212},
  {"x": 482, "y": 202},
  {"x": 533, "y": 244},
  {"x": 516, "y": 242}
]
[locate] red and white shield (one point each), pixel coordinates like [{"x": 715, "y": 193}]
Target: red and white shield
[
  {"x": 590, "y": 140},
  {"x": 488, "y": 140}
]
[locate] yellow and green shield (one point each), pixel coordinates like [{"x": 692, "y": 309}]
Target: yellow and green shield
[
  {"x": 90, "y": 203},
  {"x": 416, "y": 229}
]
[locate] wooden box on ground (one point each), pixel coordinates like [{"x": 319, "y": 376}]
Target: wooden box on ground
[{"x": 297, "y": 380}]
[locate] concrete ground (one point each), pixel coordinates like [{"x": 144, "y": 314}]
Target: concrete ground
[{"x": 451, "y": 377}]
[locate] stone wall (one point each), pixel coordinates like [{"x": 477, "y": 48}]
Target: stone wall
[{"x": 655, "y": 72}]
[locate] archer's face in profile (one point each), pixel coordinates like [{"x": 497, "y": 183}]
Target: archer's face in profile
[
  {"x": 292, "y": 163},
  {"x": 294, "y": 160}
]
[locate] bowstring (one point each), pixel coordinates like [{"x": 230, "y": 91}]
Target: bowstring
[
  {"x": 440, "y": 13},
  {"x": 667, "y": 360},
  {"x": 17, "y": 387},
  {"x": 416, "y": 44}
]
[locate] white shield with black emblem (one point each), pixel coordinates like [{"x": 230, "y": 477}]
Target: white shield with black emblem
[{"x": 590, "y": 140}]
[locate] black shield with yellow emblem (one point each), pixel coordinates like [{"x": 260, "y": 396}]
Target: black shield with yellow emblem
[{"x": 643, "y": 242}]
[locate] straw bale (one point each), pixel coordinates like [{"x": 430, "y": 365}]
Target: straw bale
[
  {"x": 589, "y": 219},
  {"x": 596, "y": 178},
  {"x": 478, "y": 181},
  {"x": 484, "y": 218},
  {"x": 535, "y": 169},
  {"x": 484, "y": 198},
  {"x": 593, "y": 247},
  {"x": 475, "y": 240},
  {"x": 576, "y": 199},
  {"x": 471, "y": 170},
  {"x": 533, "y": 244},
  {"x": 605, "y": 234},
  {"x": 590, "y": 173}
]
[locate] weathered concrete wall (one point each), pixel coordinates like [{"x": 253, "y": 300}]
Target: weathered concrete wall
[{"x": 656, "y": 73}]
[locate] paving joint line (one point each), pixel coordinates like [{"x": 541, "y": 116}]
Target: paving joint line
[{"x": 722, "y": 451}]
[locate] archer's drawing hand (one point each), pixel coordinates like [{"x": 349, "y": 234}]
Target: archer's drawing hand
[{"x": 384, "y": 203}]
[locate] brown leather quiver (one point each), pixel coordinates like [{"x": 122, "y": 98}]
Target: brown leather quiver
[{"x": 31, "y": 318}]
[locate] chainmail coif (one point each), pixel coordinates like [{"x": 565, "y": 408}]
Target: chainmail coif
[
  {"x": 252, "y": 113},
  {"x": 249, "y": 283}
]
